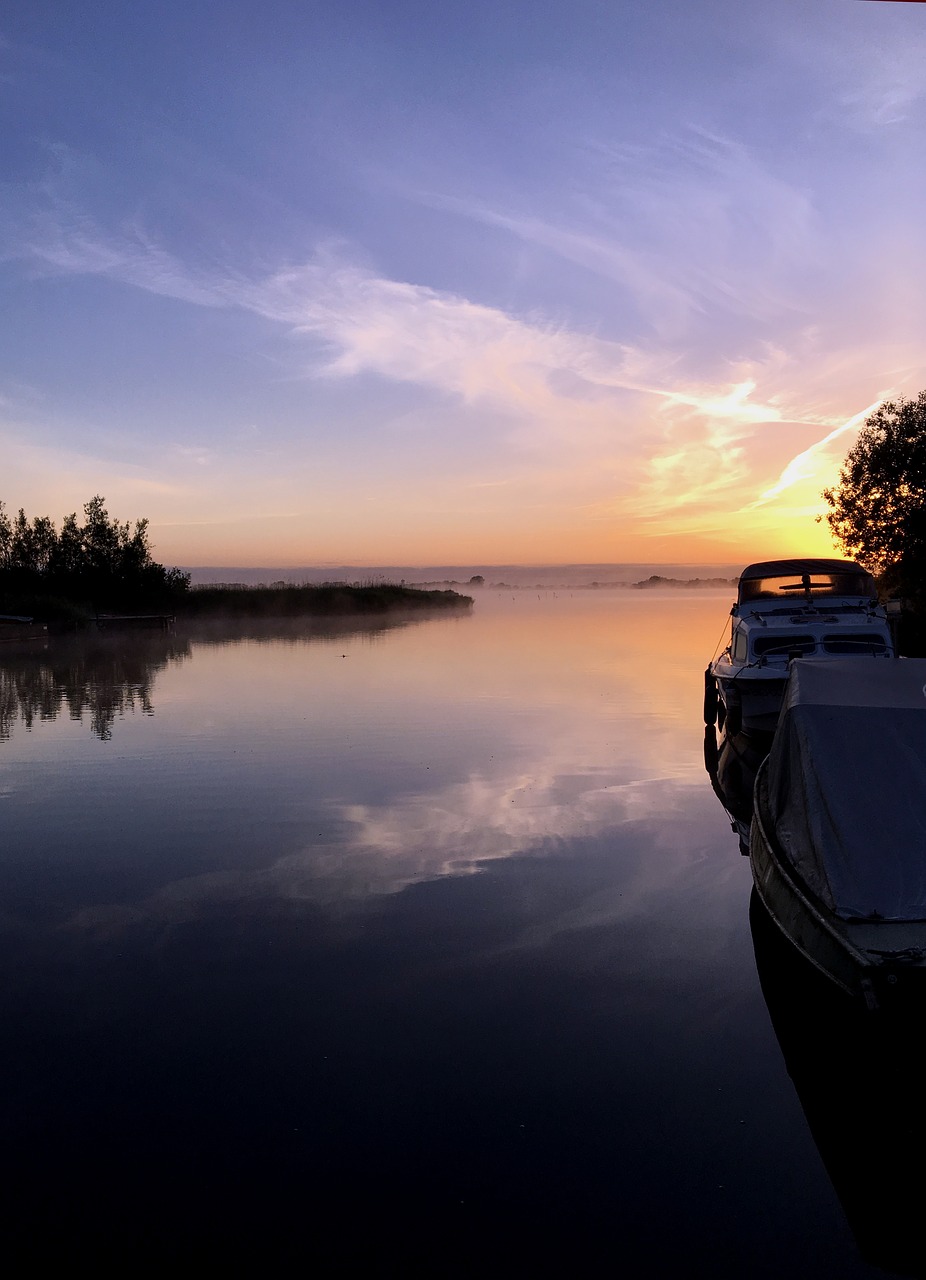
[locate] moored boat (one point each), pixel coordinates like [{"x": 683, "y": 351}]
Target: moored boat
[
  {"x": 838, "y": 836},
  {"x": 786, "y": 609}
]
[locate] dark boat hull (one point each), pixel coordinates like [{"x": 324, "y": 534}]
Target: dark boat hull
[{"x": 865, "y": 959}]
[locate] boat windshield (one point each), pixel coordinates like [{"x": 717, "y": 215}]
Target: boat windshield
[
  {"x": 776, "y": 646},
  {"x": 867, "y": 643},
  {"x": 806, "y": 586}
]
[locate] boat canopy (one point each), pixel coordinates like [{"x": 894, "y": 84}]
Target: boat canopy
[
  {"x": 847, "y": 784},
  {"x": 784, "y": 579}
]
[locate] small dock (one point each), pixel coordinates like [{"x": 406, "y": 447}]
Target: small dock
[
  {"x": 135, "y": 621},
  {"x": 14, "y": 629}
]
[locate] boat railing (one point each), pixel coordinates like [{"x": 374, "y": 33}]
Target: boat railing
[{"x": 798, "y": 610}]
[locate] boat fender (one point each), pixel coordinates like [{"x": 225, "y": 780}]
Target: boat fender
[
  {"x": 711, "y": 752},
  {"x": 710, "y": 698}
]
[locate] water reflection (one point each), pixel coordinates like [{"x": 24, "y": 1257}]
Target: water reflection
[
  {"x": 434, "y": 928},
  {"x": 364, "y": 769},
  {"x": 106, "y": 676},
  {"x": 102, "y": 677},
  {"x": 732, "y": 763},
  {"x": 856, "y": 1072},
  {"x": 859, "y": 1079},
  {"x": 310, "y": 630}
]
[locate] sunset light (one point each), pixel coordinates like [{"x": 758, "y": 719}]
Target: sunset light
[
  {"x": 463, "y": 638},
  {"x": 355, "y": 284}
]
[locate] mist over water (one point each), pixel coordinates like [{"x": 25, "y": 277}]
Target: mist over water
[
  {"x": 422, "y": 944},
  {"x": 518, "y": 575}
]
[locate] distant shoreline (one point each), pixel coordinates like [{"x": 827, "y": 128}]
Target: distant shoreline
[
  {"x": 478, "y": 582},
  {"x": 654, "y": 581},
  {"x": 534, "y": 577}
]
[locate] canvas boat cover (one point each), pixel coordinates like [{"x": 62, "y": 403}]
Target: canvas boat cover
[{"x": 847, "y": 784}]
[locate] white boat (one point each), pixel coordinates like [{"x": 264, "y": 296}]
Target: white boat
[
  {"x": 838, "y": 837},
  {"x": 786, "y": 609}
]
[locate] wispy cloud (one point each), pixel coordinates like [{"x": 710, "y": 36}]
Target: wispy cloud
[
  {"x": 883, "y": 82},
  {"x": 680, "y": 438},
  {"x": 361, "y": 323},
  {"x": 76, "y": 246},
  {"x": 806, "y": 465},
  {"x": 689, "y": 226},
  {"x": 665, "y": 439}
]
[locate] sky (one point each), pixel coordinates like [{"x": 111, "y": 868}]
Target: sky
[{"x": 510, "y": 281}]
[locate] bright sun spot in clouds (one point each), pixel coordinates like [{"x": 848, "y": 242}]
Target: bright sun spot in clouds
[{"x": 733, "y": 405}]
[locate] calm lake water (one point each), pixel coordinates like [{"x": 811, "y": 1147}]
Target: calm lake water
[{"x": 424, "y": 945}]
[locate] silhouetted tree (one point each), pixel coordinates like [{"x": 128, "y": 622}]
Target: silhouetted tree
[
  {"x": 878, "y": 509},
  {"x": 69, "y": 550},
  {"x": 101, "y": 564}
]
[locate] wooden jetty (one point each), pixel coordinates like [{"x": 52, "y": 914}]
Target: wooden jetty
[
  {"x": 14, "y": 628},
  {"x": 135, "y": 621}
]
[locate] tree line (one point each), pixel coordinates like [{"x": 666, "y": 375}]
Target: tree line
[{"x": 98, "y": 564}]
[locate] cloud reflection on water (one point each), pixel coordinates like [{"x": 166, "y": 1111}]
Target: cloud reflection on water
[{"x": 290, "y": 770}]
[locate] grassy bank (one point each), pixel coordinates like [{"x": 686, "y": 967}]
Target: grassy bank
[{"x": 329, "y": 599}]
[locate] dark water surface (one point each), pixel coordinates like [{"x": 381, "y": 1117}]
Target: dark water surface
[{"x": 425, "y": 947}]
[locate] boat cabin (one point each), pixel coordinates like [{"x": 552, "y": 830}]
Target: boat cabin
[
  {"x": 791, "y": 609},
  {"x": 806, "y": 581},
  {"x": 797, "y": 608}
]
